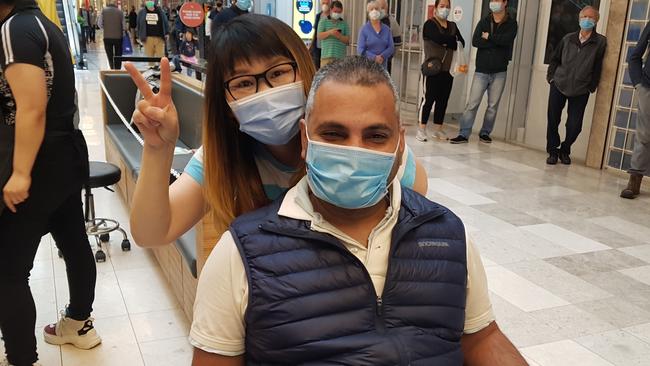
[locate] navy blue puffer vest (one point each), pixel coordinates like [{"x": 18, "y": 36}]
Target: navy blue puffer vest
[{"x": 312, "y": 302}]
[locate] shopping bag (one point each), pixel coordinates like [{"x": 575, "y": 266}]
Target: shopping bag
[
  {"x": 459, "y": 62},
  {"x": 127, "y": 48}
]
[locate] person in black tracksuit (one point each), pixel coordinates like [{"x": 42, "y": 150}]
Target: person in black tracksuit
[
  {"x": 573, "y": 73},
  {"x": 43, "y": 194},
  {"x": 440, "y": 37}
]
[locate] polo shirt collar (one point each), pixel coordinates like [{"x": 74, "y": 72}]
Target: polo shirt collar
[{"x": 297, "y": 205}]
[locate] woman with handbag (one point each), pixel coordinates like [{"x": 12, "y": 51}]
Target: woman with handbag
[{"x": 441, "y": 39}]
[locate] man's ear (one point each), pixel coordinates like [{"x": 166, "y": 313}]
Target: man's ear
[{"x": 303, "y": 139}]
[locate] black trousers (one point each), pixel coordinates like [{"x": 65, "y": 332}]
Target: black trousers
[
  {"x": 576, "y": 112},
  {"x": 437, "y": 89},
  {"x": 54, "y": 206},
  {"x": 113, "y": 48}
]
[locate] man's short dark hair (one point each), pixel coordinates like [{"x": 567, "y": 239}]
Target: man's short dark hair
[
  {"x": 337, "y": 4},
  {"x": 353, "y": 70}
]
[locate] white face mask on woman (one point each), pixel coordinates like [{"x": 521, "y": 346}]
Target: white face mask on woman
[
  {"x": 374, "y": 15},
  {"x": 271, "y": 117}
]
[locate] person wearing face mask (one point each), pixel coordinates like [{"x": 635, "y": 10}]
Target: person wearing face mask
[
  {"x": 375, "y": 39},
  {"x": 494, "y": 37},
  {"x": 349, "y": 260},
  {"x": 395, "y": 29},
  {"x": 239, "y": 7},
  {"x": 153, "y": 28},
  {"x": 315, "y": 46},
  {"x": 573, "y": 73},
  {"x": 255, "y": 94},
  {"x": 441, "y": 39},
  {"x": 334, "y": 35},
  {"x": 640, "y": 76},
  {"x": 48, "y": 169},
  {"x": 133, "y": 25}
]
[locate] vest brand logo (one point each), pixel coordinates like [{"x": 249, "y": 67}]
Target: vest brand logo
[{"x": 433, "y": 244}]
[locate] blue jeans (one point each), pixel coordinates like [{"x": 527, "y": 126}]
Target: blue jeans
[{"x": 494, "y": 85}]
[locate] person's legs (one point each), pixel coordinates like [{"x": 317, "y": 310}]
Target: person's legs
[
  {"x": 108, "y": 46},
  {"x": 68, "y": 229},
  {"x": 480, "y": 84},
  {"x": 445, "y": 83},
  {"x": 20, "y": 235},
  {"x": 159, "y": 47},
  {"x": 576, "y": 112},
  {"x": 556, "y": 103},
  {"x": 118, "y": 53},
  {"x": 149, "y": 47},
  {"x": 641, "y": 156},
  {"x": 426, "y": 102},
  {"x": 495, "y": 91}
]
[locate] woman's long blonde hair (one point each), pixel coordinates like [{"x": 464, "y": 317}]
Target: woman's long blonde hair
[{"x": 232, "y": 183}]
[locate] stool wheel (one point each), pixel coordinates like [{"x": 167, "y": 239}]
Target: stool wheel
[
  {"x": 105, "y": 238},
  {"x": 126, "y": 245},
  {"x": 100, "y": 256}
]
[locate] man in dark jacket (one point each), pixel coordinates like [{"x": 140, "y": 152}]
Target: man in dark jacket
[
  {"x": 640, "y": 75},
  {"x": 315, "y": 48},
  {"x": 153, "y": 28},
  {"x": 574, "y": 73},
  {"x": 343, "y": 270},
  {"x": 239, "y": 7},
  {"x": 112, "y": 21},
  {"x": 494, "y": 37}
]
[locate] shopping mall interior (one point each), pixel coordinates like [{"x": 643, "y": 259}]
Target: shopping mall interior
[{"x": 567, "y": 259}]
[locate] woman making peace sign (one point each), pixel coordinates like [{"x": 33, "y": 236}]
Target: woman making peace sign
[{"x": 255, "y": 95}]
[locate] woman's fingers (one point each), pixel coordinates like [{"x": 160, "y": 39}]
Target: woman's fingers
[
  {"x": 165, "y": 80},
  {"x": 139, "y": 81}
]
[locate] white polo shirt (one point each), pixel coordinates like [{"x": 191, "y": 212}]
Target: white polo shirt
[{"x": 222, "y": 296}]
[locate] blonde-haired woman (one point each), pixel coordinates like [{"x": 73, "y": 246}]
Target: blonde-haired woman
[{"x": 375, "y": 38}]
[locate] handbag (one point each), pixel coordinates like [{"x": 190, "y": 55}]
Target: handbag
[
  {"x": 433, "y": 65},
  {"x": 127, "y": 47}
]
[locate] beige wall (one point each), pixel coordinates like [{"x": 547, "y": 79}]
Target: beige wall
[{"x": 606, "y": 89}]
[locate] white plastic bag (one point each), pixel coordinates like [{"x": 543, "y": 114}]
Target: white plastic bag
[{"x": 459, "y": 62}]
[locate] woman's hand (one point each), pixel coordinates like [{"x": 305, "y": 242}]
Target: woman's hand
[
  {"x": 16, "y": 191},
  {"x": 156, "y": 115}
]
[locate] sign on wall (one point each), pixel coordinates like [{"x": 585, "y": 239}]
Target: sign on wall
[
  {"x": 191, "y": 14},
  {"x": 304, "y": 18}
]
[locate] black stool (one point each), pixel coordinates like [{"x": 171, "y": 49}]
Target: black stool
[{"x": 102, "y": 175}]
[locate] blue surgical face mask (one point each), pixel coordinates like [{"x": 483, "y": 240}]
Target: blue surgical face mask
[
  {"x": 244, "y": 4},
  {"x": 271, "y": 117},
  {"x": 348, "y": 177},
  {"x": 496, "y": 6},
  {"x": 443, "y": 13},
  {"x": 587, "y": 23}
]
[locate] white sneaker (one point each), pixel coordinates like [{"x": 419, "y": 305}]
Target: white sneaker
[
  {"x": 5, "y": 362},
  {"x": 421, "y": 135},
  {"x": 79, "y": 333},
  {"x": 441, "y": 135}
]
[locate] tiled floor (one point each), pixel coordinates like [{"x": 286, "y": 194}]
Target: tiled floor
[{"x": 567, "y": 260}]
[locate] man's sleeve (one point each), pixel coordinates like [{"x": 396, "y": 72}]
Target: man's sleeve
[
  {"x": 636, "y": 58},
  {"x": 556, "y": 60},
  {"x": 507, "y": 38},
  {"x": 477, "y": 40},
  {"x": 478, "y": 311},
  {"x": 24, "y": 41},
  {"x": 221, "y": 299},
  {"x": 598, "y": 67}
]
